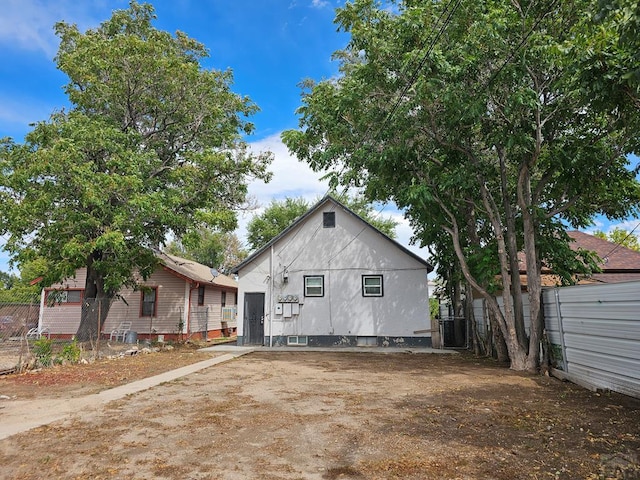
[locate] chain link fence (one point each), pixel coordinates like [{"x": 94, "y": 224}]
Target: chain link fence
[
  {"x": 32, "y": 336},
  {"x": 17, "y": 321}
]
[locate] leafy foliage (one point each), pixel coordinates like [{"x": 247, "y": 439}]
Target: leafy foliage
[
  {"x": 275, "y": 218},
  {"x": 215, "y": 249},
  {"x": 43, "y": 351},
  {"x": 280, "y": 214},
  {"x": 153, "y": 145},
  {"x": 70, "y": 352},
  {"x": 620, "y": 236},
  {"x": 486, "y": 137}
]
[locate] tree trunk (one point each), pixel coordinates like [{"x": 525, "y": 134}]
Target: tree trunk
[
  {"x": 471, "y": 319},
  {"x": 497, "y": 339},
  {"x": 95, "y": 305},
  {"x": 512, "y": 248},
  {"x": 534, "y": 281}
]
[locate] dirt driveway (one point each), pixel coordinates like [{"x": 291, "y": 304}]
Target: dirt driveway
[{"x": 318, "y": 415}]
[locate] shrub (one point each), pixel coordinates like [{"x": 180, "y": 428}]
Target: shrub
[
  {"x": 71, "y": 352},
  {"x": 42, "y": 349}
]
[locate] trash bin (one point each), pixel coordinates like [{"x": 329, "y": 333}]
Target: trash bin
[{"x": 131, "y": 337}]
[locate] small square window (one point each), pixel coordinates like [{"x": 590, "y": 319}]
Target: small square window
[
  {"x": 314, "y": 286},
  {"x": 297, "y": 340},
  {"x": 372, "y": 285},
  {"x": 329, "y": 219}
]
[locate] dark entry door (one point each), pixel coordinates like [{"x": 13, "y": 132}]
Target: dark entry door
[{"x": 253, "y": 318}]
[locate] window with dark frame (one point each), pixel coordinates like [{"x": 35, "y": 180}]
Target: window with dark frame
[
  {"x": 372, "y": 286},
  {"x": 201, "y": 295},
  {"x": 64, "y": 296},
  {"x": 314, "y": 285},
  {"x": 329, "y": 219},
  {"x": 149, "y": 305},
  {"x": 223, "y": 299}
]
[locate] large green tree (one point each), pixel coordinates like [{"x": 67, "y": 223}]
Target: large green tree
[
  {"x": 221, "y": 250},
  {"x": 277, "y": 216},
  {"x": 470, "y": 116},
  {"x": 620, "y": 236},
  {"x": 152, "y": 145}
]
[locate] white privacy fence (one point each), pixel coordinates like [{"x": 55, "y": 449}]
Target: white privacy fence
[
  {"x": 595, "y": 334},
  {"x": 593, "y": 331}
]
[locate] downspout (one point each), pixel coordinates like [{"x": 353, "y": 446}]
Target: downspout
[
  {"x": 188, "y": 288},
  {"x": 271, "y": 297},
  {"x": 41, "y": 313}
]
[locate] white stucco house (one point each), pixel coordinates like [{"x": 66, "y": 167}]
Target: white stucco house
[{"x": 332, "y": 279}]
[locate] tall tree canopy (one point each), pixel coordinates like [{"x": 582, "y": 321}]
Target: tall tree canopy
[
  {"x": 472, "y": 117},
  {"x": 152, "y": 145},
  {"x": 620, "y": 236},
  {"x": 221, "y": 250},
  {"x": 262, "y": 228}
]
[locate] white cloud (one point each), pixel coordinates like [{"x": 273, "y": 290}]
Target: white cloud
[
  {"x": 319, "y": 3},
  {"x": 29, "y": 24},
  {"x": 292, "y": 178}
]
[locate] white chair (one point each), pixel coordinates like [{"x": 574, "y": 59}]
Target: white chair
[
  {"x": 120, "y": 333},
  {"x": 37, "y": 332}
]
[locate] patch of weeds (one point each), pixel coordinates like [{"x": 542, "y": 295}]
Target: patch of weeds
[
  {"x": 71, "y": 352},
  {"x": 42, "y": 349}
]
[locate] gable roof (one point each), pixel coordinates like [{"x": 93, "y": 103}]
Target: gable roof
[
  {"x": 194, "y": 271},
  {"x": 311, "y": 211}
]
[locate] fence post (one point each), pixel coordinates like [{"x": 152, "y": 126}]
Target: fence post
[
  {"x": 561, "y": 330},
  {"x": 99, "y": 328}
]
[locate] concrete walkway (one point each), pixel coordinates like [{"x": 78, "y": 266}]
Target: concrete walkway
[
  {"x": 17, "y": 416},
  {"x": 21, "y": 415}
]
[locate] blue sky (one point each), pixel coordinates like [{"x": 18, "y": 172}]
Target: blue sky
[{"x": 271, "y": 45}]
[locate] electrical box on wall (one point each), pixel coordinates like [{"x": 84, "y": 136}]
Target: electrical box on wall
[{"x": 278, "y": 309}]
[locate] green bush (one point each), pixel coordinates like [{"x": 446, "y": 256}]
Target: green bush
[
  {"x": 71, "y": 352},
  {"x": 42, "y": 349}
]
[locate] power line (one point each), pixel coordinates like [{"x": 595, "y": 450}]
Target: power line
[
  {"x": 520, "y": 45},
  {"x": 620, "y": 244},
  {"x": 423, "y": 61}
]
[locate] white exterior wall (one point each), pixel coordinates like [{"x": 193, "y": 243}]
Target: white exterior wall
[{"x": 342, "y": 255}]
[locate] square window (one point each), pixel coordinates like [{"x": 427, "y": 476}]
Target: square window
[
  {"x": 149, "y": 302},
  {"x": 329, "y": 219},
  {"x": 314, "y": 286},
  {"x": 372, "y": 285}
]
